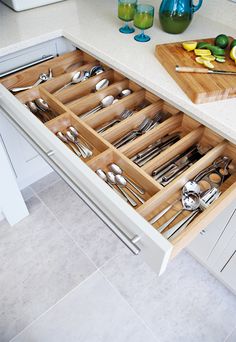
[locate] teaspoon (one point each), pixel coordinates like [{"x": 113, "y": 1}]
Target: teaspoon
[
  {"x": 103, "y": 176},
  {"x": 63, "y": 138},
  {"x": 105, "y": 102},
  {"x": 76, "y": 78},
  {"x": 120, "y": 180},
  {"x": 118, "y": 171},
  {"x": 112, "y": 179},
  {"x": 85, "y": 152}
]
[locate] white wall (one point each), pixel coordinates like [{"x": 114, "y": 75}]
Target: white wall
[{"x": 223, "y": 11}]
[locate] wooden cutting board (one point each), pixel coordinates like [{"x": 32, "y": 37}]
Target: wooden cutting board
[{"x": 201, "y": 88}]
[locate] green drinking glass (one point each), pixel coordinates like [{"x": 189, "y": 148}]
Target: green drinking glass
[
  {"x": 126, "y": 11},
  {"x": 143, "y": 19}
]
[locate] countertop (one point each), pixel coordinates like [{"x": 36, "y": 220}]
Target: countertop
[{"x": 93, "y": 26}]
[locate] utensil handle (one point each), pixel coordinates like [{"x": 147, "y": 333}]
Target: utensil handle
[
  {"x": 77, "y": 152},
  {"x": 108, "y": 125},
  {"x": 167, "y": 223},
  {"x": 136, "y": 195},
  {"x": 162, "y": 213},
  {"x": 180, "y": 226},
  {"x": 60, "y": 89},
  {"x": 190, "y": 69},
  {"x": 163, "y": 171},
  {"x": 135, "y": 186},
  {"x": 92, "y": 111},
  {"x": 130, "y": 199},
  {"x": 124, "y": 138}
]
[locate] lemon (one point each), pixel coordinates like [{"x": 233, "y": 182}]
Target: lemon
[
  {"x": 233, "y": 53},
  {"x": 199, "y": 60},
  {"x": 208, "y": 64},
  {"x": 208, "y": 58},
  {"x": 189, "y": 46},
  {"x": 202, "y": 52}
]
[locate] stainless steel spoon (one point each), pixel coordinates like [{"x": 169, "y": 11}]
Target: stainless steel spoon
[
  {"x": 112, "y": 179},
  {"x": 120, "y": 180},
  {"x": 190, "y": 202},
  {"x": 103, "y": 176},
  {"x": 118, "y": 171},
  {"x": 104, "y": 83},
  {"x": 76, "y": 78},
  {"x": 85, "y": 152},
  {"x": 105, "y": 102},
  {"x": 64, "y": 139},
  {"x": 74, "y": 131}
]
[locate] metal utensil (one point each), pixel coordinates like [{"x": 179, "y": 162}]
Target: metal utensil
[
  {"x": 123, "y": 183},
  {"x": 85, "y": 152},
  {"x": 206, "y": 199},
  {"x": 190, "y": 202},
  {"x": 162, "y": 213},
  {"x": 76, "y": 78},
  {"x": 96, "y": 70},
  {"x": 41, "y": 115},
  {"x": 118, "y": 171},
  {"x": 203, "y": 70},
  {"x": 112, "y": 179},
  {"x": 64, "y": 139},
  {"x": 142, "y": 128},
  {"x": 42, "y": 78},
  {"x": 104, "y": 177},
  {"x": 123, "y": 115},
  {"x": 74, "y": 131},
  {"x": 105, "y": 102},
  {"x": 104, "y": 83}
]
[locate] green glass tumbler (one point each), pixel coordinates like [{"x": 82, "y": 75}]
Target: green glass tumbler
[
  {"x": 143, "y": 19},
  {"x": 126, "y": 11}
]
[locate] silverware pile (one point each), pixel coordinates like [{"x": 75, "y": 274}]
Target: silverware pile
[
  {"x": 42, "y": 78},
  {"x": 41, "y": 109},
  {"x": 79, "y": 146},
  {"x": 154, "y": 149},
  {"x": 81, "y": 76},
  {"x": 167, "y": 172},
  {"x": 122, "y": 116},
  {"x": 146, "y": 125},
  {"x": 122, "y": 184},
  {"x": 194, "y": 198},
  {"x": 107, "y": 101}
]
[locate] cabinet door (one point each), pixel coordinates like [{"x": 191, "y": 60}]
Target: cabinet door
[
  {"x": 203, "y": 246},
  {"x": 28, "y": 166},
  {"x": 226, "y": 263}
]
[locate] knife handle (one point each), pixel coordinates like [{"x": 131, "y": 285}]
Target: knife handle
[{"x": 190, "y": 69}]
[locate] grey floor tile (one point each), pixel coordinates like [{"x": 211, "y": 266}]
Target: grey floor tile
[
  {"x": 45, "y": 182},
  {"x": 231, "y": 337},
  {"x": 94, "y": 312},
  {"x": 185, "y": 304},
  {"x": 40, "y": 263},
  {"x": 93, "y": 236}
]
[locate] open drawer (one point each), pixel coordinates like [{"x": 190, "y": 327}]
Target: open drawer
[{"x": 73, "y": 106}]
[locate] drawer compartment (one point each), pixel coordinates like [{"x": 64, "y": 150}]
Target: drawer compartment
[{"x": 70, "y": 105}]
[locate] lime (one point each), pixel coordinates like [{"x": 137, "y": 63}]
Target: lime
[
  {"x": 202, "y": 52},
  {"x": 222, "y": 41},
  {"x": 189, "y": 46},
  {"x": 233, "y": 53},
  {"x": 203, "y": 45},
  {"x": 220, "y": 59},
  {"x": 216, "y": 50},
  {"x": 233, "y": 43}
]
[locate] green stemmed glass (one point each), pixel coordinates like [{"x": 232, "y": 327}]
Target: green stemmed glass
[
  {"x": 126, "y": 11},
  {"x": 143, "y": 19}
]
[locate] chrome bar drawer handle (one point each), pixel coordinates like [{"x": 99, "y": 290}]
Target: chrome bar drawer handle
[{"x": 50, "y": 153}]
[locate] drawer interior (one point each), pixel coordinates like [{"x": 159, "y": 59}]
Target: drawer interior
[{"x": 100, "y": 131}]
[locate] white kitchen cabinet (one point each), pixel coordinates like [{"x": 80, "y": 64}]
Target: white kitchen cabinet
[{"x": 132, "y": 226}]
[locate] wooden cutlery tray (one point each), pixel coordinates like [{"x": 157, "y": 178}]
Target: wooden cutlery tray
[{"x": 73, "y": 101}]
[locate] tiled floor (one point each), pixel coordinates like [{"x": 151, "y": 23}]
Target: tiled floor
[{"x": 64, "y": 277}]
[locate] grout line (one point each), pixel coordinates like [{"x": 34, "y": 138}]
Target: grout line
[
  {"x": 51, "y": 307},
  {"x": 231, "y": 332},
  {"x": 129, "y": 305}
]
